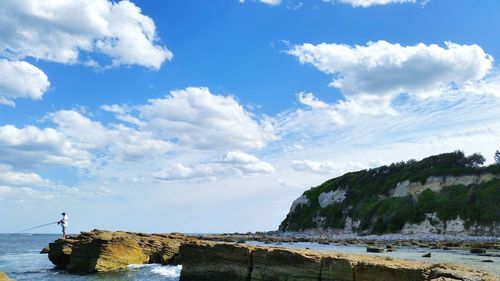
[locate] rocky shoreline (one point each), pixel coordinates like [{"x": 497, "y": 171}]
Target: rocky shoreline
[
  {"x": 431, "y": 241},
  {"x": 227, "y": 257}
]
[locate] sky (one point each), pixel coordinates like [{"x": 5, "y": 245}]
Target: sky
[{"x": 213, "y": 116}]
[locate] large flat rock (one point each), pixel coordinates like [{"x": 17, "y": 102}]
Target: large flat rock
[
  {"x": 215, "y": 261},
  {"x": 102, "y": 251}
]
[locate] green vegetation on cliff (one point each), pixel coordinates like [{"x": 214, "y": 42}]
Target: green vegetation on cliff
[{"x": 369, "y": 196}]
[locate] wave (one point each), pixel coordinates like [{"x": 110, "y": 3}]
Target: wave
[{"x": 167, "y": 270}]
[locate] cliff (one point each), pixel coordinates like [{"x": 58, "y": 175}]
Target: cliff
[
  {"x": 447, "y": 193},
  {"x": 205, "y": 261}
]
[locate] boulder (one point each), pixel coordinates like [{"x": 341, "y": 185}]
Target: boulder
[
  {"x": 427, "y": 255},
  {"x": 215, "y": 261},
  {"x": 477, "y": 251},
  {"x": 374, "y": 249},
  {"x": 101, "y": 251}
]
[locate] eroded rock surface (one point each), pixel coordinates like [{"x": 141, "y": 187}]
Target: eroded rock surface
[
  {"x": 101, "y": 251},
  {"x": 207, "y": 261}
]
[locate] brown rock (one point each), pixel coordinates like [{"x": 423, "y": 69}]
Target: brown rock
[
  {"x": 374, "y": 250},
  {"x": 4, "y": 277},
  {"x": 271, "y": 264},
  {"x": 215, "y": 261},
  {"x": 477, "y": 251},
  {"x": 99, "y": 251}
]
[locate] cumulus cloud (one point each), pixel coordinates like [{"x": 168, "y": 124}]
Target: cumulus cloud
[
  {"x": 231, "y": 163},
  {"x": 327, "y": 167},
  {"x": 8, "y": 177},
  {"x": 247, "y": 163},
  {"x": 271, "y": 2},
  {"x": 368, "y": 3},
  {"x": 198, "y": 118},
  {"x": 72, "y": 31},
  {"x": 32, "y": 146},
  {"x": 384, "y": 69},
  {"x": 117, "y": 140},
  {"x": 20, "y": 79}
]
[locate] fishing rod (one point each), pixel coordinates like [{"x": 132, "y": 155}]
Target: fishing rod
[{"x": 36, "y": 227}]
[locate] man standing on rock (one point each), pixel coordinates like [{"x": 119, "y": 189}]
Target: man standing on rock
[{"x": 64, "y": 224}]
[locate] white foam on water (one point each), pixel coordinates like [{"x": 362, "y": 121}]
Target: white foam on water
[
  {"x": 137, "y": 266},
  {"x": 167, "y": 270}
]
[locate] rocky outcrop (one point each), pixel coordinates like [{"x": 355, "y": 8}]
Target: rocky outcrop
[
  {"x": 436, "y": 184},
  {"x": 101, "y": 251},
  {"x": 4, "y": 277},
  {"x": 207, "y": 261}
]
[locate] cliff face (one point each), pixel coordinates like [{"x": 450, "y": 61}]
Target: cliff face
[{"x": 447, "y": 193}]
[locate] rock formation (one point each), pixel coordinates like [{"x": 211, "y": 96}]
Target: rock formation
[
  {"x": 413, "y": 197},
  {"x": 204, "y": 260},
  {"x": 100, "y": 251},
  {"x": 4, "y": 277}
]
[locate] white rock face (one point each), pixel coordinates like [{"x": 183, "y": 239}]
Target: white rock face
[
  {"x": 349, "y": 224},
  {"x": 455, "y": 226},
  {"x": 328, "y": 198},
  {"x": 302, "y": 200},
  {"x": 435, "y": 184}
]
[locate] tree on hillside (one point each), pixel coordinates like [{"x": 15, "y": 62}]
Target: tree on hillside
[
  {"x": 474, "y": 160},
  {"x": 497, "y": 157}
]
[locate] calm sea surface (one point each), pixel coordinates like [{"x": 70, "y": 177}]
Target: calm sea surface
[{"x": 21, "y": 260}]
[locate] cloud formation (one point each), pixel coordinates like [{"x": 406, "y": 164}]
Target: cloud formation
[
  {"x": 369, "y": 3},
  {"x": 72, "y": 31},
  {"x": 384, "y": 69},
  {"x": 20, "y": 79},
  {"x": 198, "y": 118}
]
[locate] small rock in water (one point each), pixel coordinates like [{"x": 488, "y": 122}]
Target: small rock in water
[
  {"x": 45, "y": 250},
  {"x": 487, "y": 261},
  {"x": 477, "y": 251},
  {"x": 374, "y": 250},
  {"x": 428, "y": 255}
]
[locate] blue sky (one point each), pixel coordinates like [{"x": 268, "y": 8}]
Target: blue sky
[{"x": 211, "y": 116}]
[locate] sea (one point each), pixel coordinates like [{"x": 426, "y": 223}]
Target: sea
[{"x": 20, "y": 258}]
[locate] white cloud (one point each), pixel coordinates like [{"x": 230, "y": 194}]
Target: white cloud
[
  {"x": 179, "y": 172},
  {"x": 20, "y": 79},
  {"x": 385, "y": 70},
  {"x": 327, "y": 167},
  {"x": 271, "y": 2},
  {"x": 198, "y": 118},
  {"x": 118, "y": 141},
  {"x": 71, "y": 31},
  {"x": 310, "y": 100},
  {"x": 12, "y": 178},
  {"x": 31, "y": 146},
  {"x": 247, "y": 163},
  {"x": 368, "y": 3}
]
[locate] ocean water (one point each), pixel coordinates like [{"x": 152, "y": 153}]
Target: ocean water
[{"x": 20, "y": 258}]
